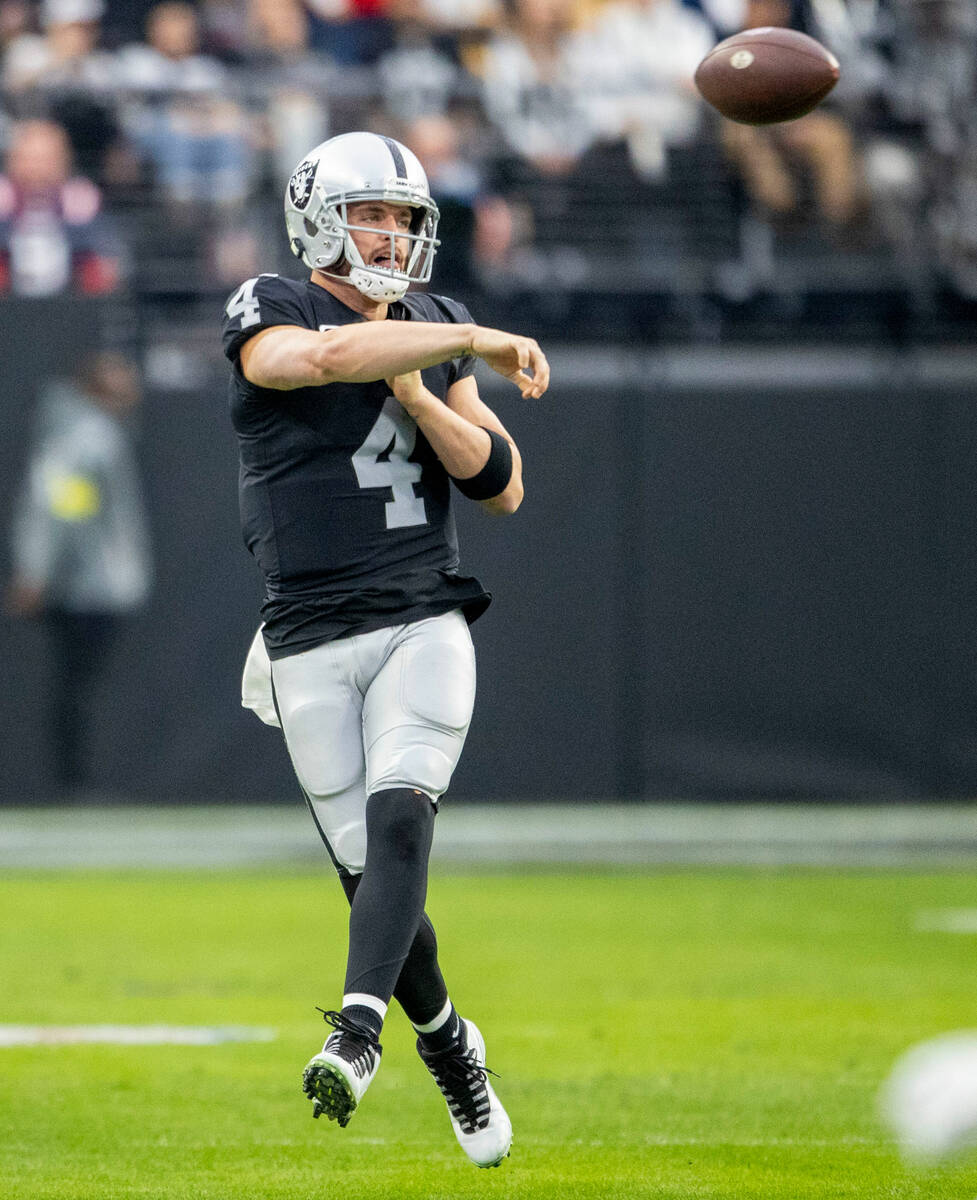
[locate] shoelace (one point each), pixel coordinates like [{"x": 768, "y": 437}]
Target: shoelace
[
  {"x": 354, "y": 1043},
  {"x": 462, "y": 1081}
]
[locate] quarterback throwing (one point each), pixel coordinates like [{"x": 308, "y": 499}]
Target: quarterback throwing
[{"x": 357, "y": 412}]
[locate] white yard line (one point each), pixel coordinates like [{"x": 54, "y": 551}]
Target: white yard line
[
  {"x": 947, "y": 920},
  {"x": 130, "y": 1035}
]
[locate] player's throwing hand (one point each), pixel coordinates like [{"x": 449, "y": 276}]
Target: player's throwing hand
[{"x": 518, "y": 359}]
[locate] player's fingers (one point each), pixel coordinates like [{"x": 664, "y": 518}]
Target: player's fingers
[
  {"x": 541, "y": 371},
  {"x": 535, "y": 380},
  {"x": 523, "y": 382},
  {"x": 529, "y": 386}
]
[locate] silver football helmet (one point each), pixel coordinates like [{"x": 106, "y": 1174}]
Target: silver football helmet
[{"x": 342, "y": 171}]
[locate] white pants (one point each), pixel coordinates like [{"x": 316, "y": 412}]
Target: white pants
[{"x": 387, "y": 709}]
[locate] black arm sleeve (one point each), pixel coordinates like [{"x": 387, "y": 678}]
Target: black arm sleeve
[{"x": 493, "y": 478}]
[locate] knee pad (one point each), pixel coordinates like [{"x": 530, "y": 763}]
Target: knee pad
[
  {"x": 410, "y": 759},
  {"x": 348, "y": 846},
  {"x": 341, "y": 820}
]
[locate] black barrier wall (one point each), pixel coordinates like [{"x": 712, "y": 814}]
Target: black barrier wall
[{"x": 732, "y": 577}]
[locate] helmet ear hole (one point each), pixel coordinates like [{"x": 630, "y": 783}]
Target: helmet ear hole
[
  {"x": 310, "y": 229},
  {"x": 331, "y": 250}
]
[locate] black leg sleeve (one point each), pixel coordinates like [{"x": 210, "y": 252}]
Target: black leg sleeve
[
  {"x": 421, "y": 991},
  {"x": 388, "y": 901}
]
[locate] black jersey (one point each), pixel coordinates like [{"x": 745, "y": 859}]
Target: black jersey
[{"x": 344, "y": 504}]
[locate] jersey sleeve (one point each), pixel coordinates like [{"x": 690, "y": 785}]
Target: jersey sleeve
[
  {"x": 258, "y": 304},
  {"x": 458, "y": 314}
]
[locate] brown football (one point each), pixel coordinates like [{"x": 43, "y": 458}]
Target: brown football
[{"x": 761, "y": 76}]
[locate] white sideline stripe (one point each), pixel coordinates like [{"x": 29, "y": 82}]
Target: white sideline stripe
[
  {"x": 947, "y": 920},
  {"x": 130, "y": 1035},
  {"x": 601, "y": 832}
]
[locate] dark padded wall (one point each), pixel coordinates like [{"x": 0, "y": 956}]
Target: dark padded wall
[{"x": 713, "y": 590}]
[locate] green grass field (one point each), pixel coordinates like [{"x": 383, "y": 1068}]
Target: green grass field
[{"x": 669, "y": 1034}]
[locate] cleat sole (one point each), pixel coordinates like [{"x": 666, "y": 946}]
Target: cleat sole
[{"x": 329, "y": 1092}]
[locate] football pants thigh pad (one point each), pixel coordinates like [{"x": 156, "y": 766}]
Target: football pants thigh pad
[
  {"x": 417, "y": 711},
  {"x": 381, "y": 710},
  {"x": 325, "y": 746},
  {"x": 321, "y": 719}
]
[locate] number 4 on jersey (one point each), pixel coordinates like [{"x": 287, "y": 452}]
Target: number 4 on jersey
[
  {"x": 244, "y": 304},
  {"x": 382, "y": 461}
]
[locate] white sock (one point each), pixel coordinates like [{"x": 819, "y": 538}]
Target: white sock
[
  {"x": 363, "y": 1000},
  {"x": 438, "y": 1021}
]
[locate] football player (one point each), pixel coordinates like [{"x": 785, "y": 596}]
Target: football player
[{"x": 356, "y": 411}]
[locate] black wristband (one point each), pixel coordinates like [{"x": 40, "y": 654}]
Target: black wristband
[{"x": 494, "y": 477}]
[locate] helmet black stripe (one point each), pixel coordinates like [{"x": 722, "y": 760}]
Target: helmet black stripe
[{"x": 394, "y": 147}]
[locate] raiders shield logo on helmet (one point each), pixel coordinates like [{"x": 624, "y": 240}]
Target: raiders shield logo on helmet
[{"x": 300, "y": 185}]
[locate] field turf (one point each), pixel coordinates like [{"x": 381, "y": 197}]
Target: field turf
[{"x": 675, "y": 1034}]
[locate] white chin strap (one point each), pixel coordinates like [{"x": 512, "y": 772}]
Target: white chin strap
[
  {"x": 376, "y": 283},
  {"x": 377, "y": 286}
]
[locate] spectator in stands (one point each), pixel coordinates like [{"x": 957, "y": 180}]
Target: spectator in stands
[
  {"x": 66, "y": 52},
  {"x": 922, "y": 171},
  {"x": 80, "y": 545},
  {"x": 465, "y": 20},
  {"x": 724, "y": 17},
  {"x": 452, "y": 174},
  {"x": 775, "y": 162},
  {"x": 226, "y": 28},
  {"x": 638, "y": 91},
  {"x": 16, "y": 17},
  {"x": 182, "y": 115},
  {"x": 20, "y": 40},
  {"x": 352, "y": 32},
  {"x": 530, "y": 74},
  {"x": 477, "y": 227},
  {"x": 416, "y": 76},
  {"x": 53, "y": 235},
  {"x": 64, "y": 73},
  {"x": 125, "y": 21},
  {"x": 286, "y": 82},
  {"x": 933, "y": 80}
]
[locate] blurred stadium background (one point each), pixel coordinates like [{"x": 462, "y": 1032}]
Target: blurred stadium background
[
  {"x": 733, "y": 629},
  {"x": 745, "y": 570}
]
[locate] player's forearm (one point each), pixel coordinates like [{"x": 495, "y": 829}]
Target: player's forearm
[
  {"x": 284, "y": 358},
  {"x": 355, "y": 353},
  {"x": 462, "y": 447},
  {"x": 381, "y": 349},
  {"x": 508, "y": 501}
]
